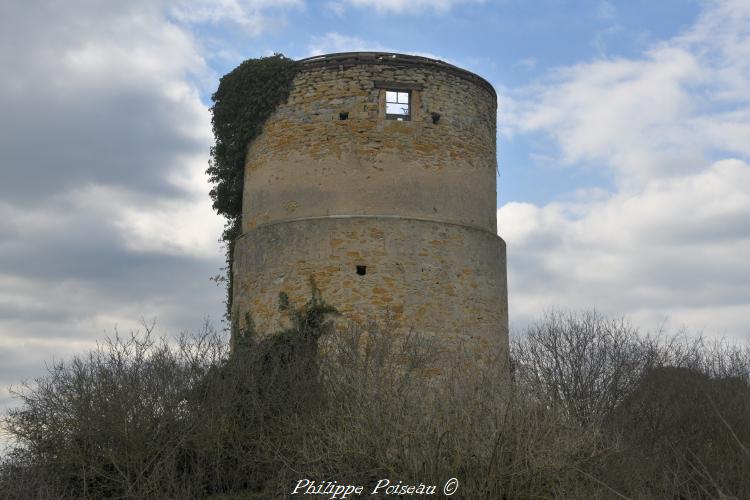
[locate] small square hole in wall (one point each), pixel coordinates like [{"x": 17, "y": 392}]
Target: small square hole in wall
[
  {"x": 361, "y": 270},
  {"x": 435, "y": 118},
  {"x": 344, "y": 115}
]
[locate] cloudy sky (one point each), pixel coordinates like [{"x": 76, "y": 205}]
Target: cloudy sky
[{"x": 624, "y": 153}]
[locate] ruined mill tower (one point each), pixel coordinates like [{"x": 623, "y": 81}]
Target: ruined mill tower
[{"x": 377, "y": 177}]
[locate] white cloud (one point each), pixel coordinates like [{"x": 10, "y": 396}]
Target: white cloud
[
  {"x": 336, "y": 42},
  {"x": 672, "y": 127},
  {"x": 677, "y": 249},
  {"x": 411, "y": 6},
  {"x": 333, "y": 42},
  {"x": 631, "y": 115},
  {"x": 253, "y": 16},
  {"x": 661, "y": 114}
]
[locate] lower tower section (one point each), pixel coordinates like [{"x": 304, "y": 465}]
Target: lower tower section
[{"x": 439, "y": 278}]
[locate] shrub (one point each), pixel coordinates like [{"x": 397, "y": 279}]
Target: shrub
[
  {"x": 685, "y": 433},
  {"x": 112, "y": 423},
  {"x": 584, "y": 363},
  {"x": 140, "y": 417}
]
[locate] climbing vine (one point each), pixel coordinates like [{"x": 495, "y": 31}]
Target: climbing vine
[{"x": 245, "y": 99}]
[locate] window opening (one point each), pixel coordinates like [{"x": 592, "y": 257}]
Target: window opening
[
  {"x": 435, "y": 118},
  {"x": 361, "y": 270},
  {"x": 344, "y": 115},
  {"x": 397, "y": 105}
]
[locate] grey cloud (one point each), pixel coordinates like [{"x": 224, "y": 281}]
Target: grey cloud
[
  {"x": 32, "y": 312},
  {"x": 82, "y": 102},
  {"x": 99, "y": 109},
  {"x": 125, "y": 139},
  {"x": 674, "y": 249}
]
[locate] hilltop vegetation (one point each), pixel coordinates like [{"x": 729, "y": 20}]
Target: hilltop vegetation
[{"x": 595, "y": 410}]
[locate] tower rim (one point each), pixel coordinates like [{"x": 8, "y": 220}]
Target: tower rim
[{"x": 346, "y": 59}]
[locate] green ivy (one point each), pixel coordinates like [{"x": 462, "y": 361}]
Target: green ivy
[
  {"x": 284, "y": 364},
  {"x": 246, "y": 97}
]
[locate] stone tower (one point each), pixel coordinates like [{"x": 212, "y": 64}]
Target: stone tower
[{"x": 377, "y": 177}]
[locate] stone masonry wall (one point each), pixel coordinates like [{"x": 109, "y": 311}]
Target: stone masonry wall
[
  {"x": 309, "y": 162},
  {"x": 438, "y": 278},
  {"x": 413, "y": 201}
]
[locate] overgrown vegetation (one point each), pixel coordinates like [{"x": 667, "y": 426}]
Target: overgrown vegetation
[
  {"x": 595, "y": 410},
  {"x": 246, "y": 97}
]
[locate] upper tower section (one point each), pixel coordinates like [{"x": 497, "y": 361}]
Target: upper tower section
[{"x": 381, "y": 135}]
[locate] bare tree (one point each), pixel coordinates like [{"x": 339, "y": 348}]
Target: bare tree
[
  {"x": 585, "y": 363},
  {"x": 596, "y": 411}
]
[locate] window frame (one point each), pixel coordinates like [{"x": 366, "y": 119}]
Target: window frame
[
  {"x": 413, "y": 88},
  {"x": 409, "y": 100}
]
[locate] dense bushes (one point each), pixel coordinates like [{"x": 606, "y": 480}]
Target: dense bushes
[
  {"x": 673, "y": 411},
  {"x": 595, "y": 411},
  {"x": 680, "y": 426}
]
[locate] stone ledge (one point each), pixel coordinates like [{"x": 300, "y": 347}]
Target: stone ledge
[
  {"x": 348, "y": 59},
  {"x": 474, "y": 227}
]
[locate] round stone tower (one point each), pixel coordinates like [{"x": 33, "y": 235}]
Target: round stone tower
[{"x": 377, "y": 177}]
